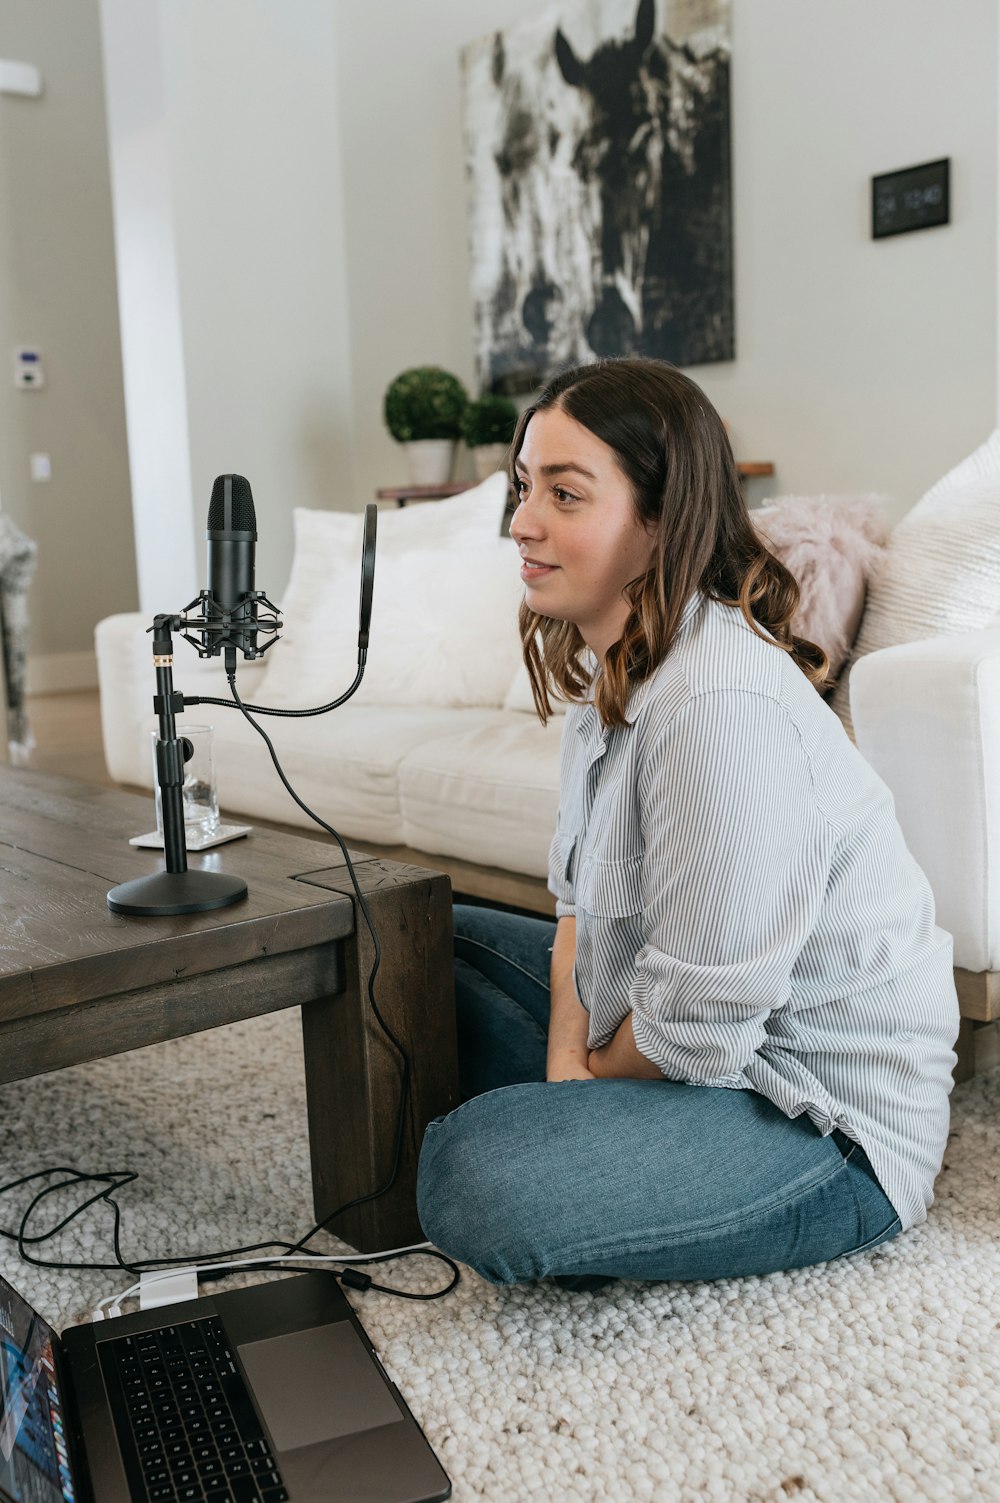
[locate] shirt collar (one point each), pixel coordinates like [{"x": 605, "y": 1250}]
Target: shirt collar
[{"x": 640, "y": 693}]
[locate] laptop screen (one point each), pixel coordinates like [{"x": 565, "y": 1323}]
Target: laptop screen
[{"x": 34, "y": 1457}]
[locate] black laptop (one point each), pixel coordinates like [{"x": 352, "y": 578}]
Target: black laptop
[{"x": 271, "y": 1394}]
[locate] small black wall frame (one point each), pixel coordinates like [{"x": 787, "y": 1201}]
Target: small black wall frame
[{"x": 911, "y": 198}]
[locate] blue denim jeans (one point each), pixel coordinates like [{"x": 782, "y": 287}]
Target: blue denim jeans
[{"x": 588, "y": 1180}]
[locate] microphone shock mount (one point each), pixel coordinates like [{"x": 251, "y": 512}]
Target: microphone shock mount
[{"x": 218, "y": 628}]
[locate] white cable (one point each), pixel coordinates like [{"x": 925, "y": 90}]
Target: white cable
[
  {"x": 115, "y": 1300},
  {"x": 112, "y": 1299}
]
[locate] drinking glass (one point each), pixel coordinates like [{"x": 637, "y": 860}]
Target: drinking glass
[{"x": 201, "y": 795}]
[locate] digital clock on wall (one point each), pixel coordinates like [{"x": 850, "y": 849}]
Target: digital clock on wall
[{"x": 913, "y": 198}]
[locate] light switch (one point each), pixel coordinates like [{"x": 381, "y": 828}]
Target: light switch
[
  {"x": 19, "y": 78},
  {"x": 41, "y": 467}
]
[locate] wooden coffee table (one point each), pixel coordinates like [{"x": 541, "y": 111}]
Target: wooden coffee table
[{"x": 78, "y": 982}]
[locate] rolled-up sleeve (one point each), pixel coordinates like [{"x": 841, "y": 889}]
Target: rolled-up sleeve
[
  {"x": 736, "y": 862},
  {"x": 560, "y": 881},
  {"x": 562, "y": 850}
]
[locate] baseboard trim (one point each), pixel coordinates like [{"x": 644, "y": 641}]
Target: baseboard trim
[{"x": 61, "y": 672}]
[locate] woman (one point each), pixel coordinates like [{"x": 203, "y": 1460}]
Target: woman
[{"x": 732, "y": 1051}]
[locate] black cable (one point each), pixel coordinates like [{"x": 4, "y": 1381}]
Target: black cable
[
  {"x": 227, "y": 704},
  {"x": 118, "y": 1179},
  {"x": 404, "y": 1057},
  {"x": 301, "y": 1245},
  {"x": 121, "y": 1178},
  {"x": 314, "y": 1261},
  {"x": 353, "y": 1277},
  {"x": 416, "y": 1253},
  {"x": 289, "y": 1249}
]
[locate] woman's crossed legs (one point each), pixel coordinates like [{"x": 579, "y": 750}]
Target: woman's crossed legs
[{"x": 622, "y": 1178}]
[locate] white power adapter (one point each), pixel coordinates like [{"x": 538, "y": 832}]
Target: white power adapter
[{"x": 167, "y": 1287}]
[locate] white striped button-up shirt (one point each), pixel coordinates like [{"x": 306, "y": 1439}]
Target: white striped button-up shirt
[{"x": 741, "y": 886}]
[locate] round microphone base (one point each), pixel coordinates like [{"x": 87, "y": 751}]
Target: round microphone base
[{"x": 176, "y": 892}]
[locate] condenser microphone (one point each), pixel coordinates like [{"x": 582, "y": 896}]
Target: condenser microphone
[{"x": 231, "y": 534}]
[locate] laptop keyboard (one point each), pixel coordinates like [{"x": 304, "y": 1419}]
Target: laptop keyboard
[{"x": 187, "y": 1426}]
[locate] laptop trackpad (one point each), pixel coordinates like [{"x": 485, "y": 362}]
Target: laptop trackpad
[{"x": 316, "y": 1385}]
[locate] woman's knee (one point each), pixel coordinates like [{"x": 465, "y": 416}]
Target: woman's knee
[
  {"x": 481, "y": 1194},
  {"x": 520, "y": 937},
  {"x": 467, "y": 920}
]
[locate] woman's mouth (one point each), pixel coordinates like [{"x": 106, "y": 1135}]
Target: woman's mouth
[{"x": 531, "y": 570}]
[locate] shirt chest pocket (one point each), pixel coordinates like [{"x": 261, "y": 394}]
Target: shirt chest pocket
[{"x": 610, "y": 889}]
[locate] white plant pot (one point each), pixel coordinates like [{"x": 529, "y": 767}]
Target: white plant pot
[
  {"x": 430, "y": 460},
  {"x": 488, "y": 458}
]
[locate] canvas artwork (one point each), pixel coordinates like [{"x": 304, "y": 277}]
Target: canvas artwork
[{"x": 597, "y": 160}]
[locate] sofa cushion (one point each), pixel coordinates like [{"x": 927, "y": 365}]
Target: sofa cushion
[
  {"x": 940, "y": 573},
  {"x": 344, "y": 765},
  {"x": 444, "y": 611},
  {"x": 488, "y": 793},
  {"x": 519, "y": 696}
]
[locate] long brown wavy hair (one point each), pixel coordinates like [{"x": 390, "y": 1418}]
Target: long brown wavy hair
[{"x": 672, "y": 447}]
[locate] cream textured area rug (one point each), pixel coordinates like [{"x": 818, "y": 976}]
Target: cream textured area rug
[{"x": 875, "y": 1378}]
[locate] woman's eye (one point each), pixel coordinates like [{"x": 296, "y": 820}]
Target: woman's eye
[
  {"x": 520, "y": 486},
  {"x": 562, "y": 496}
]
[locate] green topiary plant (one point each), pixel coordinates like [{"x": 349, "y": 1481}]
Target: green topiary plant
[
  {"x": 425, "y": 402},
  {"x": 489, "y": 420}
]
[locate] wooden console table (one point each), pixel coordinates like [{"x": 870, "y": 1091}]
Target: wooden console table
[
  {"x": 79, "y": 983},
  {"x": 403, "y": 493},
  {"x": 748, "y": 469}
]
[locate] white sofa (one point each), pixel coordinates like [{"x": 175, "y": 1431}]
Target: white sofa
[
  {"x": 440, "y": 751},
  {"x": 927, "y": 717}
]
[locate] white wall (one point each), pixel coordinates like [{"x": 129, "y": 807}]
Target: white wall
[
  {"x": 153, "y": 355},
  {"x": 57, "y": 289},
  {"x": 861, "y": 365},
  {"x": 229, "y": 198},
  {"x": 303, "y": 170},
  {"x": 256, "y": 163}
]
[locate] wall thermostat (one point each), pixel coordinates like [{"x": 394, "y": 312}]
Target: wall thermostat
[{"x": 28, "y": 369}]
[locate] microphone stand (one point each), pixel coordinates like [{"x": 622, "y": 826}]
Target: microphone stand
[{"x": 177, "y": 889}]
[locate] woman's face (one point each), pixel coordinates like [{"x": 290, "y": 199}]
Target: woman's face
[{"x": 580, "y": 540}]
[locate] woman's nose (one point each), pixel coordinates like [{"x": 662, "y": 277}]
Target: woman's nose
[{"x": 524, "y": 523}]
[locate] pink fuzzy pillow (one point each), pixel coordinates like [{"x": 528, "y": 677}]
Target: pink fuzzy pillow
[{"x": 830, "y": 544}]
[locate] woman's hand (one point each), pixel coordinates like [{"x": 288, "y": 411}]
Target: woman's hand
[{"x": 619, "y": 1059}]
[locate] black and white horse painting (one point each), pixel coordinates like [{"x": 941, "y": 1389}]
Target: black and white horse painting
[{"x": 597, "y": 158}]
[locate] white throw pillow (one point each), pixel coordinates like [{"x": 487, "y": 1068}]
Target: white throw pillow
[
  {"x": 940, "y": 572},
  {"x": 444, "y": 606}
]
